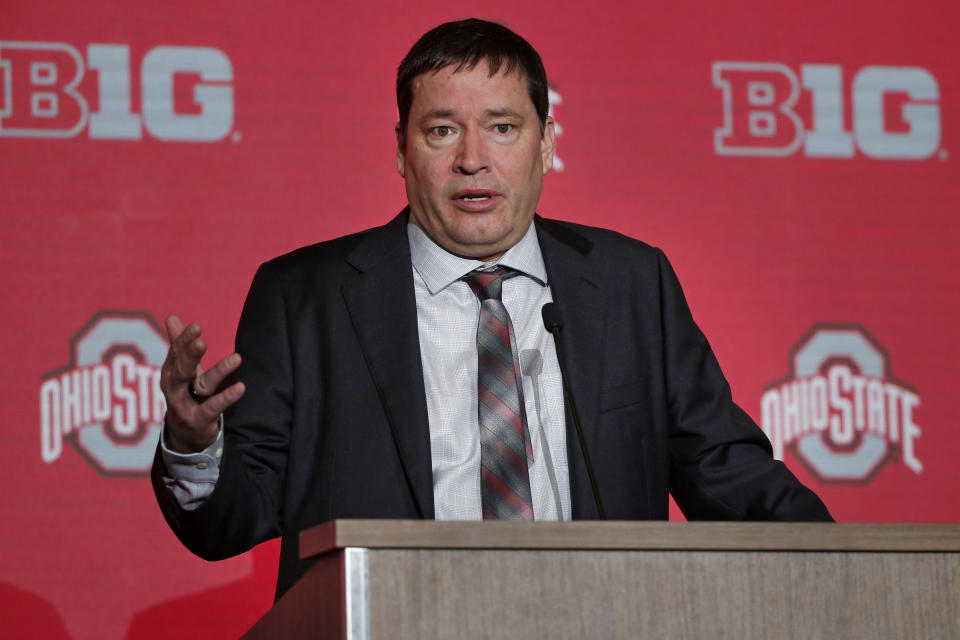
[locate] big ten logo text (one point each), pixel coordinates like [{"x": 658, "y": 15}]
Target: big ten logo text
[
  {"x": 48, "y": 90},
  {"x": 887, "y": 112},
  {"x": 839, "y": 410},
  {"x": 107, "y": 401}
]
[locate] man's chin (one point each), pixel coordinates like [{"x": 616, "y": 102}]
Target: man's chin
[
  {"x": 480, "y": 248},
  {"x": 485, "y": 241}
]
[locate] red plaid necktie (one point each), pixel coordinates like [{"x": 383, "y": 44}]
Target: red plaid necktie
[{"x": 505, "y": 448}]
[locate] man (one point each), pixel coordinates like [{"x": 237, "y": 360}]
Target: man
[{"x": 405, "y": 371}]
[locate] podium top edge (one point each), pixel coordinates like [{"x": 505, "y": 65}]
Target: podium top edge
[{"x": 629, "y": 535}]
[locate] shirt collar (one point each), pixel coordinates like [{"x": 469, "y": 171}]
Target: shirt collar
[{"x": 439, "y": 268}]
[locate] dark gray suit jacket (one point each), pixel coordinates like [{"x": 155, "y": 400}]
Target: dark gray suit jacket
[{"x": 334, "y": 421}]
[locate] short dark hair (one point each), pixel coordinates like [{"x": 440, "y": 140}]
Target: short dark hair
[{"x": 465, "y": 43}]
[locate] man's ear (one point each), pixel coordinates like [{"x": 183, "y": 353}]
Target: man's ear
[
  {"x": 548, "y": 144},
  {"x": 400, "y": 150}
]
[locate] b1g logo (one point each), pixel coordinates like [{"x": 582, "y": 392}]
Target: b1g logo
[
  {"x": 40, "y": 95},
  {"x": 894, "y": 111},
  {"x": 839, "y": 410},
  {"x": 107, "y": 401}
]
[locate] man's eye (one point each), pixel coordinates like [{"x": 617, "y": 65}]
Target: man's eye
[
  {"x": 440, "y": 132},
  {"x": 504, "y": 129}
]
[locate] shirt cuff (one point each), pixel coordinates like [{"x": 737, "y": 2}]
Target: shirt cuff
[{"x": 191, "y": 477}]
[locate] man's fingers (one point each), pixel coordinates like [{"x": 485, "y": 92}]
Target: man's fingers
[
  {"x": 189, "y": 360},
  {"x": 185, "y": 336},
  {"x": 174, "y": 326},
  {"x": 194, "y": 429},
  {"x": 217, "y": 404},
  {"x": 186, "y": 351},
  {"x": 205, "y": 383},
  {"x": 190, "y": 420}
]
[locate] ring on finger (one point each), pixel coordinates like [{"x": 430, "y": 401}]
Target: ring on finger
[{"x": 196, "y": 395}]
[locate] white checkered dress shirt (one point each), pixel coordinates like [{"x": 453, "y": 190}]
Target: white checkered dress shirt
[{"x": 447, "y": 316}]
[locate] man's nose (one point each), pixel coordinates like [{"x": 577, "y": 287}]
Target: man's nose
[{"x": 472, "y": 153}]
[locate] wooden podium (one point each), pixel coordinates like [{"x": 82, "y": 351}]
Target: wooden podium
[{"x": 423, "y": 579}]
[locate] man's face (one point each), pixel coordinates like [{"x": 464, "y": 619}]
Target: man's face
[{"x": 473, "y": 159}]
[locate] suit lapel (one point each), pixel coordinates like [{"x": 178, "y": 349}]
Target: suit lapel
[
  {"x": 580, "y": 301},
  {"x": 382, "y": 306}
]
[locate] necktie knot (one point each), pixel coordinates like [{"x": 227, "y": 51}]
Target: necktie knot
[{"x": 488, "y": 283}]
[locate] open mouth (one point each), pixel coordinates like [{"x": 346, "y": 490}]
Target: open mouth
[
  {"x": 474, "y": 195},
  {"x": 476, "y": 200}
]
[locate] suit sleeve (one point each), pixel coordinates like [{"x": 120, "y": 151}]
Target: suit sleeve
[
  {"x": 721, "y": 464},
  {"x": 244, "y": 508}
]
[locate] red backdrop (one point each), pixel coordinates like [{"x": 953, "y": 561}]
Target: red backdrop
[{"x": 794, "y": 163}]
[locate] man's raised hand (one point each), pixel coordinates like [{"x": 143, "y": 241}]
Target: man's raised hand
[{"x": 191, "y": 421}]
